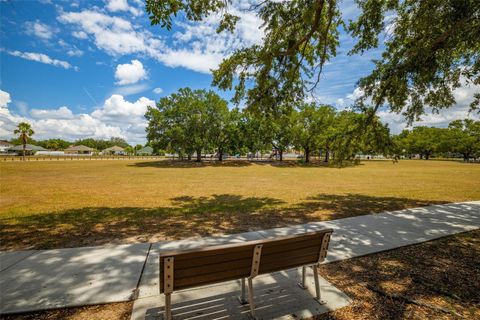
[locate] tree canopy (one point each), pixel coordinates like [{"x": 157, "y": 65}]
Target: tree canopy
[
  {"x": 192, "y": 121},
  {"x": 24, "y": 131},
  {"x": 431, "y": 48},
  {"x": 461, "y": 137},
  {"x": 198, "y": 121}
]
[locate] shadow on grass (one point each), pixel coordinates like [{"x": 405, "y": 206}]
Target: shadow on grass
[
  {"x": 191, "y": 164},
  {"x": 241, "y": 163},
  {"x": 187, "y": 217}
]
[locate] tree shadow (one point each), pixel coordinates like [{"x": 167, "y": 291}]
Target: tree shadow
[
  {"x": 311, "y": 164},
  {"x": 350, "y": 205},
  {"x": 191, "y": 164},
  {"x": 441, "y": 273},
  {"x": 186, "y": 217},
  {"x": 243, "y": 163}
]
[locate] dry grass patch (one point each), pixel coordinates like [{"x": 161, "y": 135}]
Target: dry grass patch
[{"x": 76, "y": 203}]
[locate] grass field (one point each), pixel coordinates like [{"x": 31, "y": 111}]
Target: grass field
[{"x": 75, "y": 203}]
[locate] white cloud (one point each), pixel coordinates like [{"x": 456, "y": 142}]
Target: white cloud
[
  {"x": 39, "y": 29},
  {"x": 42, "y": 58},
  {"x": 71, "y": 50},
  {"x": 116, "y": 117},
  {"x": 60, "y": 113},
  {"x": 200, "y": 48},
  {"x": 4, "y": 99},
  {"x": 130, "y": 73},
  {"x": 122, "y": 5},
  {"x": 131, "y": 89},
  {"x": 196, "y": 45},
  {"x": 114, "y": 35},
  {"x": 157, "y": 90},
  {"x": 75, "y": 52},
  {"x": 116, "y": 109},
  {"x": 196, "y": 60},
  {"x": 80, "y": 35},
  {"x": 8, "y": 121}
]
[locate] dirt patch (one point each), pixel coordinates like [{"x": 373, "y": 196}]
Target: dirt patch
[
  {"x": 443, "y": 276},
  {"x": 113, "y": 311}
]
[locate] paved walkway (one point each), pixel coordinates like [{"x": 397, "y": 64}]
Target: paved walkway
[{"x": 46, "y": 279}]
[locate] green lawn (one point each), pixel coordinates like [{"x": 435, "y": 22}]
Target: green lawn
[{"x": 72, "y": 203}]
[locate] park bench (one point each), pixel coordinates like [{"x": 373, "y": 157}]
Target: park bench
[{"x": 185, "y": 269}]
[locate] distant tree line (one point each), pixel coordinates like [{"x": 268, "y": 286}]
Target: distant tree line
[
  {"x": 191, "y": 122},
  {"x": 462, "y": 137}
]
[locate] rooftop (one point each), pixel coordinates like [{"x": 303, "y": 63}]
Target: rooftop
[
  {"x": 114, "y": 148},
  {"x": 28, "y": 147},
  {"x": 79, "y": 148}
]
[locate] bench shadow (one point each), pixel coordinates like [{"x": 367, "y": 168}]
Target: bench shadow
[
  {"x": 276, "y": 295},
  {"x": 186, "y": 217}
]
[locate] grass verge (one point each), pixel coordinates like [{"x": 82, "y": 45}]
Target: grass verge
[{"x": 47, "y": 205}]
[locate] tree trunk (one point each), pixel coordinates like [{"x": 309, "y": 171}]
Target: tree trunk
[
  {"x": 327, "y": 155},
  {"x": 280, "y": 152},
  {"x": 307, "y": 155},
  {"x": 199, "y": 156},
  {"x": 220, "y": 154},
  {"x": 24, "y": 142},
  {"x": 466, "y": 156},
  {"x": 427, "y": 155},
  {"x": 189, "y": 157}
]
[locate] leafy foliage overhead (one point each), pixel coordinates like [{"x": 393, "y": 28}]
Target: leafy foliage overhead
[
  {"x": 300, "y": 36},
  {"x": 431, "y": 48}
]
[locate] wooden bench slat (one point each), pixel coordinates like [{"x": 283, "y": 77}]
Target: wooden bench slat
[
  {"x": 212, "y": 278},
  {"x": 288, "y": 264},
  {"x": 200, "y": 261},
  {"x": 216, "y": 267},
  {"x": 233, "y": 261},
  {"x": 186, "y": 262},
  {"x": 213, "y": 268},
  {"x": 228, "y": 248}
]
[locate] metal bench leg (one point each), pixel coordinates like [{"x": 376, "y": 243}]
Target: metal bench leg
[
  {"x": 250, "y": 298},
  {"x": 317, "y": 285},
  {"x": 168, "y": 306},
  {"x": 242, "y": 298},
  {"x": 303, "y": 284}
]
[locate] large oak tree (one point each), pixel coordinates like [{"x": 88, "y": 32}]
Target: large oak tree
[{"x": 432, "y": 47}]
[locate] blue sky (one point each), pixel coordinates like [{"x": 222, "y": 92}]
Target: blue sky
[{"x": 79, "y": 69}]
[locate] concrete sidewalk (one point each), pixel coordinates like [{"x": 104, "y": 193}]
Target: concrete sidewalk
[{"x": 46, "y": 279}]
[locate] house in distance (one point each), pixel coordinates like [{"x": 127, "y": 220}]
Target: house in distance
[
  {"x": 115, "y": 150},
  {"x": 145, "y": 151},
  {"x": 4, "y": 145},
  {"x": 80, "y": 149},
  {"x": 30, "y": 149}
]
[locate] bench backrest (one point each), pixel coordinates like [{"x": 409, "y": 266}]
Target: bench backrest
[{"x": 196, "y": 267}]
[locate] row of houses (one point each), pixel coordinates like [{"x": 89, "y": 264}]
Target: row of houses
[{"x": 8, "y": 148}]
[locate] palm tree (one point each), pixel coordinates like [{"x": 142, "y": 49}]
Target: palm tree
[{"x": 24, "y": 130}]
